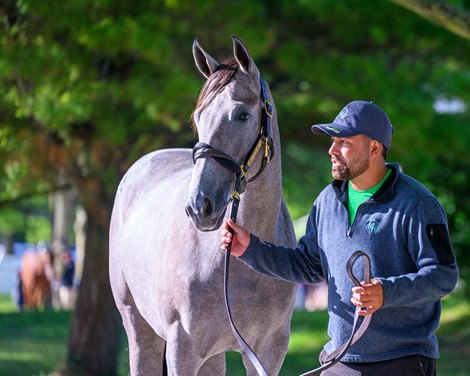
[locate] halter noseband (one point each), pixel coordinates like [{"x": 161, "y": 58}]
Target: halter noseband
[{"x": 264, "y": 139}]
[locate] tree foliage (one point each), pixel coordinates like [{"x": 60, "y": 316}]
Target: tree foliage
[{"x": 90, "y": 86}]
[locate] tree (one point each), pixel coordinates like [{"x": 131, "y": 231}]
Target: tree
[
  {"x": 441, "y": 13},
  {"x": 87, "y": 87}
]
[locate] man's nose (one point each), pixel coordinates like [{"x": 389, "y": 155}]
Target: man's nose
[{"x": 333, "y": 149}]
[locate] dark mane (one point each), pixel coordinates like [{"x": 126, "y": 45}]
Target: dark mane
[{"x": 214, "y": 85}]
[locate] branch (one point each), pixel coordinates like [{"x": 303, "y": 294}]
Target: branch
[
  {"x": 27, "y": 195},
  {"x": 441, "y": 13}
]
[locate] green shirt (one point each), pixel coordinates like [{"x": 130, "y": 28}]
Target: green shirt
[{"x": 356, "y": 198}]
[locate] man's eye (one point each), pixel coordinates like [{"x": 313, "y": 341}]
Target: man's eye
[{"x": 244, "y": 116}]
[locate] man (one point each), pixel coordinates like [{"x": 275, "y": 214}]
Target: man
[{"x": 370, "y": 206}]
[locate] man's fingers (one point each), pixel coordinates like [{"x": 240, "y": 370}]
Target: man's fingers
[
  {"x": 232, "y": 225},
  {"x": 226, "y": 238},
  {"x": 366, "y": 311}
]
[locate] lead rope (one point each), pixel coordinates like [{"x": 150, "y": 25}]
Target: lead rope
[
  {"x": 245, "y": 347},
  {"x": 338, "y": 354},
  {"x": 265, "y": 140}
]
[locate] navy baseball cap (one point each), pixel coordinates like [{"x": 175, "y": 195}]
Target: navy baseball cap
[{"x": 359, "y": 117}]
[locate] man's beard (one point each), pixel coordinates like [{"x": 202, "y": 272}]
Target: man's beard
[{"x": 353, "y": 169}]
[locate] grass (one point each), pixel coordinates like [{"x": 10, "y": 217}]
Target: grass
[
  {"x": 34, "y": 343},
  {"x": 31, "y": 343}
]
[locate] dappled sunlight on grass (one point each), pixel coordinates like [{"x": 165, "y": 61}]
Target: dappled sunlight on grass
[
  {"x": 31, "y": 343},
  {"x": 454, "y": 310},
  {"x": 455, "y": 320},
  {"x": 454, "y": 336},
  {"x": 308, "y": 332},
  {"x": 34, "y": 343},
  {"x": 6, "y": 304},
  {"x": 307, "y": 340}
]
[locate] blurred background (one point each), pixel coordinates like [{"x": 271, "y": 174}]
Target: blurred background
[{"x": 87, "y": 87}]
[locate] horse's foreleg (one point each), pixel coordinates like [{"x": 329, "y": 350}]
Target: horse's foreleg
[
  {"x": 146, "y": 349},
  {"x": 185, "y": 355},
  {"x": 271, "y": 352},
  {"x": 213, "y": 366}
]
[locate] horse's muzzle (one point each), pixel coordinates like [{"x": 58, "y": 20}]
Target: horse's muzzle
[{"x": 201, "y": 211}]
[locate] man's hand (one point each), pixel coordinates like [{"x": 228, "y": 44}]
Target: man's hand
[
  {"x": 240, "y": 239},
  {"x": 370, "y": 297}
]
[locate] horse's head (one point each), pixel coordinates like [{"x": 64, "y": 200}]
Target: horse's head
[{"x": 227, "y": 119}]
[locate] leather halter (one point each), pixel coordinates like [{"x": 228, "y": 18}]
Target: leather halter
[{"x": 264, "y": 139}]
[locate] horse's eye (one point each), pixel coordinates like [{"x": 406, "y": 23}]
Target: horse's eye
[{"x": 244, "y": 116}]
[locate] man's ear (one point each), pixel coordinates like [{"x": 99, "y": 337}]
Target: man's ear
[{"x": 376, "y": 148}]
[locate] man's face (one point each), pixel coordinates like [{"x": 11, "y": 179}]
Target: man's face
[{"x": 350, "y": 156}]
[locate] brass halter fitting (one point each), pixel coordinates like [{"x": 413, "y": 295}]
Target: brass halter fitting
[
  {"x": 235, "y": 195},
  {"x": 268, "y": 108},
  {"x": 267, "y": 154}
]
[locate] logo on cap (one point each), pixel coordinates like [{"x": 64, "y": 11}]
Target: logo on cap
[
  {"x": 336, "y": 130},
  {"x": 343, "y": 113}
]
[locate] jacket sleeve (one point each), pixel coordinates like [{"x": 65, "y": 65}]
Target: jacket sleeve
[
  {"x": 300, "y": 264},
  {"x": 430, "y": 248}
]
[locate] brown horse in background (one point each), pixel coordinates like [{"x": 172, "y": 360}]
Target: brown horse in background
[{"x": 36, "y": 274}]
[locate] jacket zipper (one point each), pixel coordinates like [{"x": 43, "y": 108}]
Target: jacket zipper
[{"x": 350, "y": 230}]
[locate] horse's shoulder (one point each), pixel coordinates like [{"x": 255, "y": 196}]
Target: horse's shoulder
[
  {"x": 164, "y": 159},
  {"x": 158, "y": 166}
]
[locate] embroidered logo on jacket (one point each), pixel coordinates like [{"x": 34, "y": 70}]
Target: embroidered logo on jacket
[{"x": 372, "y": 226}]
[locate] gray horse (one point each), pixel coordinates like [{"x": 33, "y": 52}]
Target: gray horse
[{"x": 165, "y": 266}]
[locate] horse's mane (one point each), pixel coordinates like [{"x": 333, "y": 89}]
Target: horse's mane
[{"x": 214, "y": 85}]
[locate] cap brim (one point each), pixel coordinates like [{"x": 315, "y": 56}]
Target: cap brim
[{"x": 334, "y": 130}]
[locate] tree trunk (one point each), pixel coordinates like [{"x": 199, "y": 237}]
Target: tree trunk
[
  {"x": 8, "y": 240},
  {"x": 63, "y": 204},
  {"x": 93, "y": 346},
  {"x": 63, "y": 209}
]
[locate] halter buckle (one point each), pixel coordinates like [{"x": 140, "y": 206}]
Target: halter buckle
[
  {"x": 243, "y": 170},
  {"x": 268, "y": 108}
]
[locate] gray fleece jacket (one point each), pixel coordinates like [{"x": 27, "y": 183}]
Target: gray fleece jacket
[{"x": 403, "y": 228}]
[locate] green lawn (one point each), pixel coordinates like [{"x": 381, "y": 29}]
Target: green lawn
[{"x": 34, "y": 343}]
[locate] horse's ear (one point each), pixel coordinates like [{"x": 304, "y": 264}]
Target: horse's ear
[
  {"x": 245, "y": 62},
  {"x": 204, "y": 62}
]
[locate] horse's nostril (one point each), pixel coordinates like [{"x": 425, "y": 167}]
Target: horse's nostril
[
  {"x": 188, "y": 210},
  {"x": 207, "y": 208}
]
